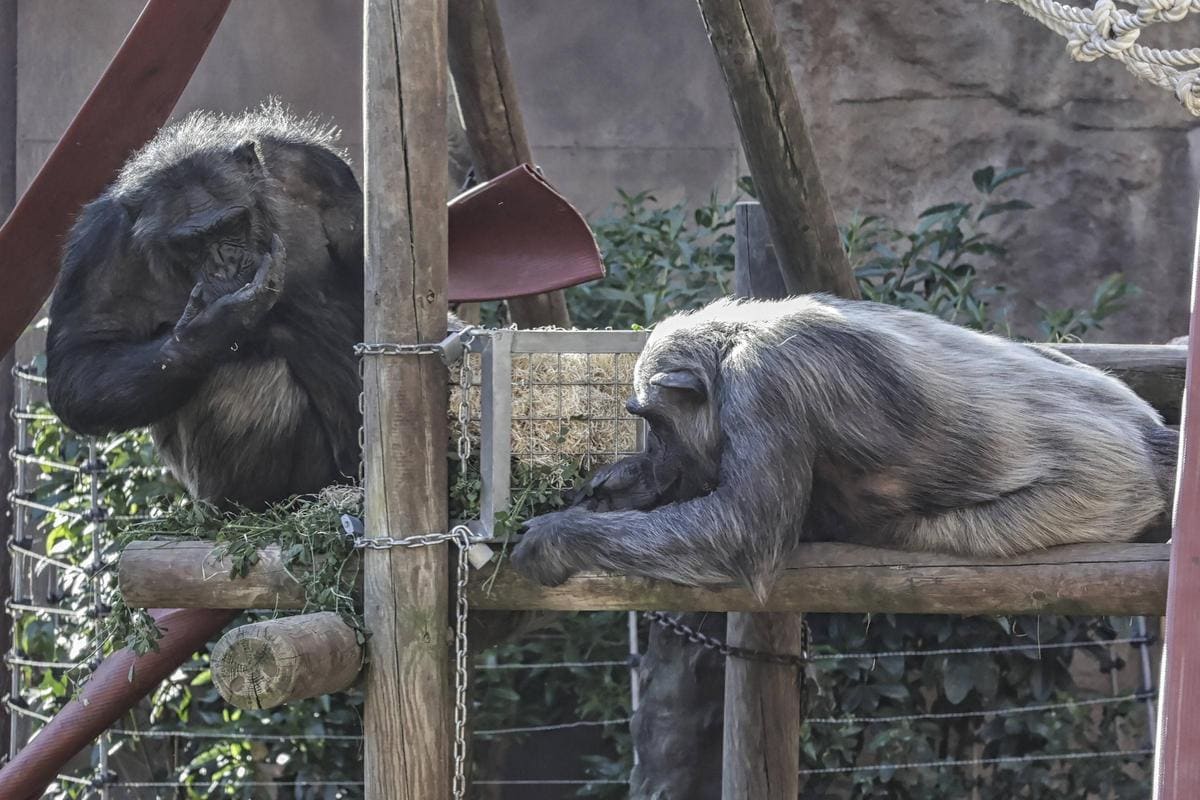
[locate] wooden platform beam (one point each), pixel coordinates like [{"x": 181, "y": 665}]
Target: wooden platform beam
[{"x": 1121, "y": 579}]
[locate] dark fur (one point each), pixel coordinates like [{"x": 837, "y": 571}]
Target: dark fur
[
  {"x": 816, "y": 418},
  {"x": 214, "y": 292}
]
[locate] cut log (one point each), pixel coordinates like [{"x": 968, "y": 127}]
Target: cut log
[
  {"x": 822, "y": 577},
  {"x": 155, "y": 574},
  {"x": 269, "y": 663}
]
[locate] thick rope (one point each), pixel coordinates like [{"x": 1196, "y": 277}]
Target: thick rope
[{"x": 1110, "y": 30}]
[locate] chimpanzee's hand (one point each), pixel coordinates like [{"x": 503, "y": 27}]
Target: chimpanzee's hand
[
  {"x": 631, "y": 484},
  {"x": 215, "y": 325},
  {"x": 541, "y": 554}
]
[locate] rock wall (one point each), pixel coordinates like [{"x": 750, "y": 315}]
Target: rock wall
[{"x": 906, "y": 99}]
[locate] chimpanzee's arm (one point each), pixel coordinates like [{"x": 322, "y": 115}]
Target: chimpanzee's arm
[{"x": 741, "y": 530}]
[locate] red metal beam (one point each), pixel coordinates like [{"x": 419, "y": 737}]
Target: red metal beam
[
  {"x": 1177, "y": 751},
  {"x": 131, "y": 101}
]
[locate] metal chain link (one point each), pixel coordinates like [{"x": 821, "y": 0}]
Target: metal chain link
[
  {"x": 464, "y": 407},
  {"x": 729, "y": 650},
  {"x": 799, "y": 662},
  {"x": 461, "y": 536},
  {"x": 453, "y": 348}
]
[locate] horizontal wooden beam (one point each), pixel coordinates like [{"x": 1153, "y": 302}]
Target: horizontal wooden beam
[
  {"x": 175, "y": 574},
  {"x": 1077, "y": 579},
  {"x": 1154, "y": 371}
]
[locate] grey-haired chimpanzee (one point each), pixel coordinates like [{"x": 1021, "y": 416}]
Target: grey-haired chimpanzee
[
  {"x": 816, "y": 418},
  {"x": 214, "y": 292}
]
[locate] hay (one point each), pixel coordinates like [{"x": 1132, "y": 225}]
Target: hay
[{"x": 566, "y": 407}]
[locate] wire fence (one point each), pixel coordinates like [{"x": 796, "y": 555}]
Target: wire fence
[{"x": 63, "y": 549}]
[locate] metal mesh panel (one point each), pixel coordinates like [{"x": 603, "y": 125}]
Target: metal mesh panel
[{"x": 548, "y": 405}]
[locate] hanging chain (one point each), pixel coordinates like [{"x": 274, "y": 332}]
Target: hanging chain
[
  {"x": 799, "y": 662},
  {"x": 729, "y": 650},
  {"x": 451, "y": 349},
  {"x": 464, "y": 406}
]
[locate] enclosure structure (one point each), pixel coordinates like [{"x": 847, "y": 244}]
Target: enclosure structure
[{"x": 410, "y": 743}]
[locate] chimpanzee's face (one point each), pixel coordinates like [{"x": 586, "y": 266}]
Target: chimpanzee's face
[
  {"x": 673, "y": 392},
  {"x": 203, "y": 223}
]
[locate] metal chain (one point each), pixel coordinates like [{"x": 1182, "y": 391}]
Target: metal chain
[
  {"x": 464, "y": 407},
  {"x": 453, "y": 348},
  {"x": 799, "y": 662},
  {"x": 729, "y": 650},
  {"x": 461, "y": 536},
  {"x": 390, "y": 349}
]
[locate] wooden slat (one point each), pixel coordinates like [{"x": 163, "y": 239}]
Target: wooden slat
[
  {"x": 1155, "y": 371},
  {"x": 406, "y": 723},
  {"x": 823, "y": 577}
]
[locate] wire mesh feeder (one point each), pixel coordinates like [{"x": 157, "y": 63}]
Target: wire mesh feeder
[{"x": 547, "y": 403}]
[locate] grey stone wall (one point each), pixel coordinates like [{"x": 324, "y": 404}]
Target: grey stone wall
[
  {"x": 617, "y": 93},
  {"x": 905, "y": 99}
]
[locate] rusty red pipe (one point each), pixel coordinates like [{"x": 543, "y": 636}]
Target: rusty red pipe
[{"x": 120, "y": 682}]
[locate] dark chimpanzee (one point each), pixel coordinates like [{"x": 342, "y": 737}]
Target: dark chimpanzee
[
  {"x": 816, "y": 418},
  {"x": 214, "y": 292}
]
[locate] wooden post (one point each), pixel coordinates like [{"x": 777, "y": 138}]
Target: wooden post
[
  {"x": 1177, "y": 749},
  {"x": 777, "y": 146},
  {"x": 269, "y": 663},
  {"x": 487, "y": 95},
  {"x": 406, "y": 724},
  {"x": 762, "y": 700}
]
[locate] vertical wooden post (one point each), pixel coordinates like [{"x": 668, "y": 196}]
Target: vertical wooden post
[
  {"x": 1177, "y": 749},
  {"x": 762, "y": 701},
  {"x": 487, "y": 95},
  {"x": 406, "y": 591},
  {"x": 777, "y": 145}
]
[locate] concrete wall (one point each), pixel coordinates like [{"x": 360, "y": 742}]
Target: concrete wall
[
  {"x": 904, "y": 99},
  {"x": 615, "y": 93}
]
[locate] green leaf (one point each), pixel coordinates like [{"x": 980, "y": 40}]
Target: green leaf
[
  {"x": 1007, "y": 175},
  {"x": 982, "y": 178},
  {"x": 991, "y": 209},
  {"x": 957, "y": 681}
]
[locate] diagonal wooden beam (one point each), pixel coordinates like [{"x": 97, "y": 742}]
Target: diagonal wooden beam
[
  {"x": 487, "y": 95},
  {"x": 777, "y": 146}
]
